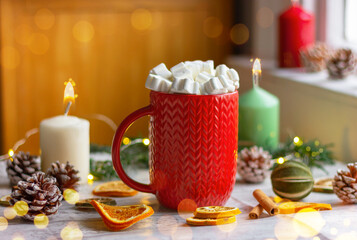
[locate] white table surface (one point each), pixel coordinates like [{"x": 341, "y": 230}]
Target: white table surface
[{"x": 340, "y": 223}]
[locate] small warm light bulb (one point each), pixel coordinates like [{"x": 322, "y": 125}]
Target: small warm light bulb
[
  {"x": 280, "y": 160},
  {"x": 11, "y": 152},
  {"x": 126, "y": 141},
  {"x": 90, "y": 177},
  {"x": 296, "y": 139},
  {"x": 146, "y": 141}
]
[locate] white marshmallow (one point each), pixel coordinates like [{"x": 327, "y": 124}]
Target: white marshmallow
[
  {"x": 208, "y": 67},
  {"x": 185, "y": 85},
  {"x": 162, "y": 71},
  {"x": 221, "y": 70},
  {"x": 194, "y": 67},
  {"x": 158, "y": 83},
  {"x": 214, "y": 86},
  {"x": 180, "y": 71},
  {"x": 203, "y": 77},
  {"x": 233, "y": 74},
  {"x": 226, "y": 83}
]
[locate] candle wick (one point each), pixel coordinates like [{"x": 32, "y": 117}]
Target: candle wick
[
  {"x": 67, "y": 108},
  {"x": 256, "y": 78}
]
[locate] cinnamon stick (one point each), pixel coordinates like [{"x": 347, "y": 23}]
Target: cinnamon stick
[
  {"x": 256, "y": 211},
  {"x": 266, "y": 202}
]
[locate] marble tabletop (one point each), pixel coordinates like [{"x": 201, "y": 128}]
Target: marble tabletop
[{"x": 72, "y": 223}]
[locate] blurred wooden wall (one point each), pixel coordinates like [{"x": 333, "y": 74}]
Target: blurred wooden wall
[{"x": 107, "y": 47}]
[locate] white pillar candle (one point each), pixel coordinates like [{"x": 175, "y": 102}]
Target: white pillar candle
[{"x": 65, "y": 138}]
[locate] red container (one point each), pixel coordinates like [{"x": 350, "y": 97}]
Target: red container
[
  {"x": 193, "y": 147},
  {"x": 296, "y": 30}
]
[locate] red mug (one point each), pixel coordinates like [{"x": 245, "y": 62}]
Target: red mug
[{"x": 193, "y": 148}]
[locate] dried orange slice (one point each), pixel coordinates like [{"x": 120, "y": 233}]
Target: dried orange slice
[
  {"x": 294, "y": 207},
  {"x": 216, "y": 212},
  {"x": 210, "y": 221},
  {"x": 120, "y": 217},
  {"x": 114, "y": 189}
]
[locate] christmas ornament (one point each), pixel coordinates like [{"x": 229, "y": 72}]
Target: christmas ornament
[
  {"x": 312, "y": 153},
  {"x": 121, "y": 217},
  {"x": 345, "y": 184},
  {"x": 21, "y": 166},
  {"x": 65, "y": 175},
  {"x": 86, "y": 203},
  {"x": 292, "y": 180},
  {"x": 114, "y": 189},
  {"x": 254, "y": 164},
  {"x": 216, "y": 212},
  {"x": 39, "y": 193},
  {"x": 294, "y": 207},
  {"x": 314, "y": 57},
  {"x": 341, "y": 64}
]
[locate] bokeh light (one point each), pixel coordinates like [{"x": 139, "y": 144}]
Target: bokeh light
[
  {"x": 23, "y": 34},
  {"x": 227, "y": 227},
  {"x": 44, "y": 19},
  {"x": 9, "y": 213},
  {"x": 167, "y": 225},
  {"x": 186, "y": 207},
  {"x": 265, "y": 17},
  {"x": 146, "y": 141},
  {"x": 71, "y": 196},
  {"x": 3, "y": 223},
  {"x": 21, "y": 208},
  {"x": 126, "y": 141},
  {"x": 10, "y": 152},
  {"x": 71, "y": 232},
  {"x": 280, "y": 160},
  {"x": 239, "y": 34},
  {"x": 83, "y": 31},
  {"x": 17, "y": 236},
  {"x": 39, "y": 44},
  {"x": 41, "y": 221},
  {"x": 333, "y": 231},
  {"x": 308, "y": 222},
  {"x": 141, "y": 19},
  {"x": 212, "y": 27},
  {"x": 185, "y": 233},
  {"x": 10, "y": 57},
  {"x": 284, "y": 229}
]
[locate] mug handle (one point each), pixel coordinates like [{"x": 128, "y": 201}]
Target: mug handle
[{"x": 116, "y": 150}]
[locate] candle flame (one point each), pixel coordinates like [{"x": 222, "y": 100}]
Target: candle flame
[
  {"x": 257, "y": 67},
  {"x": 69, "y": 95}
]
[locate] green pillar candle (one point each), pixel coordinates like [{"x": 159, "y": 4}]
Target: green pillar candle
[{"x": 259, "y": 115}]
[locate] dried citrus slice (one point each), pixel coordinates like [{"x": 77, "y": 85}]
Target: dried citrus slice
[
  {"x": 294, "y": 207},
  {"x": 114, "y": 189},
  {"x": 210, "y": 221},
  {"x": 120, "y": 217},
  {"x": 5, "y": 200},
  {"x": 216, "y": 212}
]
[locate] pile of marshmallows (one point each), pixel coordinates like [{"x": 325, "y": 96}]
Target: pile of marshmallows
[{"x": 193, "y": 77}]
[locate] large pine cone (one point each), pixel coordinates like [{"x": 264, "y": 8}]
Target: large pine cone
[
  {"x": 314, "y": 57},
  {"x": 21, "y": 166},
  {"x": 254, "y": 164},
  {"x": 40, "y": 193},
  {"x": 345, "y": 184},
  {"x": 65, "y": 174},
  {"x": 341, "y": 64}
]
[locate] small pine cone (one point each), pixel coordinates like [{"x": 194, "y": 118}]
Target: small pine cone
[
  {"x": 254, "y": 164},
  {"x": 341, "y": 64},
  {"x": 21, "y": 166},
  {"x": 40, "y": 193},
  {"x": 345, "y": 184},
  {"x": 314, "y": 57},
  {"x": 65, "y": 174}
]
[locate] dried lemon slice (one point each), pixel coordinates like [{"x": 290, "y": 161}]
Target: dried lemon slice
[
  {"x": 294, "y": 207},
  {"x": 216, "y": 212},
  {"x": 120, "y": 217},
  {"x": 210, "y": 221},
  {"x": 114, "y": 189}
]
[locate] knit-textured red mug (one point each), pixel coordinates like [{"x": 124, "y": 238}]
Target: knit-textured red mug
[{"x": 193, "y": 147}]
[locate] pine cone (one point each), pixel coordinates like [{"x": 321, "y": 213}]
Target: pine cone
[
  {"x": 254, "y": 164},
  {"x": 65, "y": 174},
  {"x": 40, "y": 193},
  {"x": 341, "y": 64},
  {"x": 21, "y": 166},
  {"x": 314, "y": 57},
  {"x": 345, "y": 184}
]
